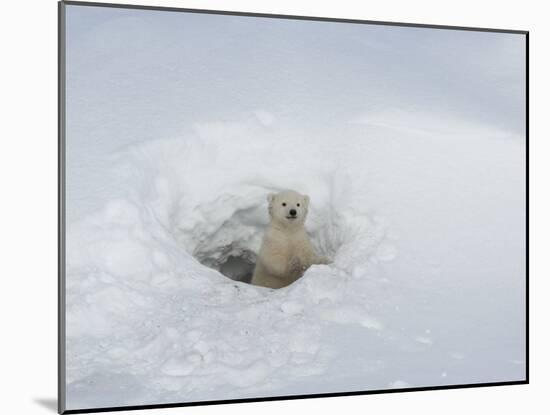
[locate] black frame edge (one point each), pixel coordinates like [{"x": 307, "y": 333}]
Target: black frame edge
[
  {"x": 292, "y": 397},
  {"x": 527, "y": 329},
  {"x": 291, "y": 17},
  {"x": 61, "y": 407}
]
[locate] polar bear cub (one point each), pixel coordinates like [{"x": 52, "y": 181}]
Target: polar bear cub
[{"x": 286, "y": 250}]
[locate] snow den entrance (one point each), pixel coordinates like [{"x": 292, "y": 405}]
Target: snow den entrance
[
  {"x": 229, "y": 244},
  {"x": 232, "y": 260},
  {"x": 238, "y": 267}
]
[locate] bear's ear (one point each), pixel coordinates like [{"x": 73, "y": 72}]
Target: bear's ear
[{"x": 306, "y": 201}]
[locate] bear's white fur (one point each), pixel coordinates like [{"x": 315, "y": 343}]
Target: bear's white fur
[{"x": 286, "y": 251}]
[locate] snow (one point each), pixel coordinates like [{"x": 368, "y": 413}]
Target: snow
[{"x": 417, "y": 196}]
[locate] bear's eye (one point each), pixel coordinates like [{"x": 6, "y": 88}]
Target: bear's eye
[
  {"x": 297, "y": 204},
  {"x": 284, "y": 204}
]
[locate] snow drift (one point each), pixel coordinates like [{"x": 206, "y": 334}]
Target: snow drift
[
  {"x": 142, "y": 272},
  {"x": 151, "y": 319}
]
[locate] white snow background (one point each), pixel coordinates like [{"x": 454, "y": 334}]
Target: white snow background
[{"x": 410, "y": 143}]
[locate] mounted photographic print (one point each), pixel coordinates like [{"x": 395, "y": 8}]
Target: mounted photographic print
[{"x": 258, "y": 207}]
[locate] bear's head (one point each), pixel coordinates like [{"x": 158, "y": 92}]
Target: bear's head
[{"x": 288, "y": 208}]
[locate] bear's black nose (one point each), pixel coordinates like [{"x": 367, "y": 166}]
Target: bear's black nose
[{"x": 292, "y": 212}]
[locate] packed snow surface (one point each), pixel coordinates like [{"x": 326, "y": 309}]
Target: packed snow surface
[{"x": 414, "y": 163}]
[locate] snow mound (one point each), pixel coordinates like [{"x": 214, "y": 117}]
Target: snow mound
[{"x": 148, "y": 302}]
